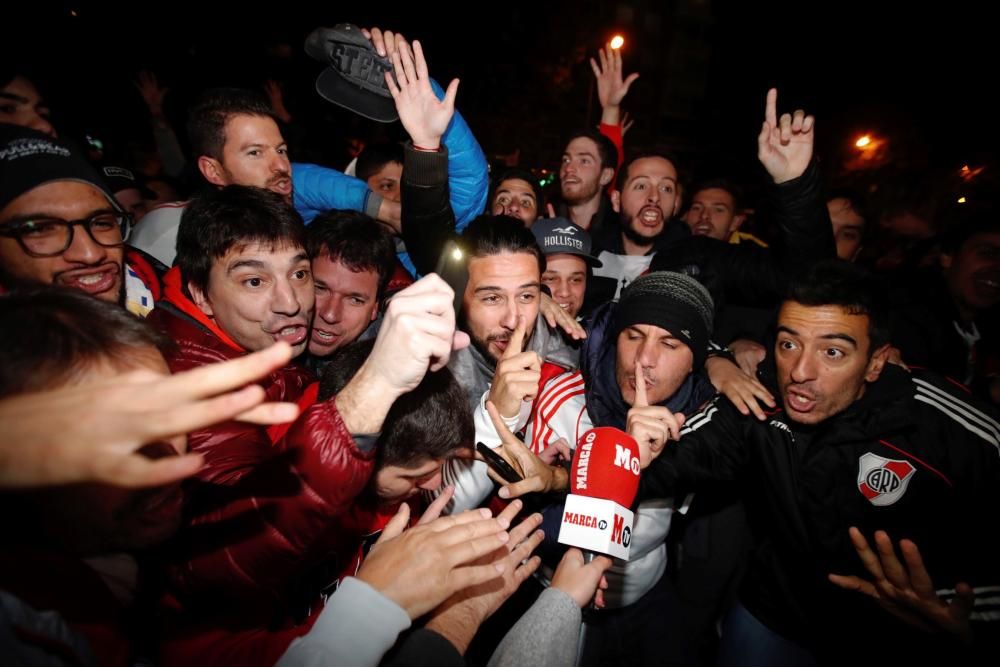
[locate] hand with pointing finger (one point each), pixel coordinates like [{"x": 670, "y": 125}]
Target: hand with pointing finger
[
  {"x": 650, "y": 425},
  {"x": 785, "y": 145},
  {"x": 517, "y": 375},
  {"x": 539, "y": 476}
]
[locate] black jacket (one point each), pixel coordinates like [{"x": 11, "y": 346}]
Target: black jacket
[{"x": 804, "y": 487}]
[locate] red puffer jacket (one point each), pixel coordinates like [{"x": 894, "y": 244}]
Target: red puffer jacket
[{"x": 265, "y": 496}]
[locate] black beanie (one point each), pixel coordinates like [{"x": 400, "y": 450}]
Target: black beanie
[
  {"x": 671, "y": 301},
  {"x": 29, "y": 158}
]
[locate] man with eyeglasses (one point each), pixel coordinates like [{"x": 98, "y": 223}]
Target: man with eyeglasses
[{"x": 61, "y": 225}]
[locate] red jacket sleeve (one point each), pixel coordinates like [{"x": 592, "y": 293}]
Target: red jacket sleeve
[{"x": 257, "y": 517}]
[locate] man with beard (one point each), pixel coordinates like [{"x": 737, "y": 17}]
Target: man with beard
[
  {"x": 61, "y": 225},
  {"x": 513, "y": 351},
  {"x": 745, "y": 274},
  {"x": 237, "y": 141},
  {"x": 591, "y": 157}
]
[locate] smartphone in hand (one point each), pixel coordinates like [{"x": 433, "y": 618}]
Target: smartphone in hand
[
  {"x": 453, "y": 267},
  {"x": 498, "y": 464}
]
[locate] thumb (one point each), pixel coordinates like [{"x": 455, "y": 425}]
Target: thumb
[{"x": 450, "y": 94}]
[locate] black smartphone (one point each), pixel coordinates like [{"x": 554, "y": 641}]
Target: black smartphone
[
  {"x": 498, "y": 464},
  {"x": 453, "y": 267}
]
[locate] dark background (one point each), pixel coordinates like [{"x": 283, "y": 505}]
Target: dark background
[{"x": 922, "y": 78}]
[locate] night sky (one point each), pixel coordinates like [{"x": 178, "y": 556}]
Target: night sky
[{"x": 924, "y": 78}]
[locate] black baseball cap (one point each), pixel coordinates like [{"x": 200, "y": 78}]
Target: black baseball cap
[
  {"x": 355, "y": 73},
  {"x": 557, "y": 236}
]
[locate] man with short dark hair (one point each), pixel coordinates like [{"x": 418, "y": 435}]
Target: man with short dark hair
[
  {"x": 381, "y": 167},
  {"x": 130, "y": 192},
  {"x": 716, "y": 211},
  {"x": 243, "y": 281},
  {"x": 741, "y": 274},
  {"x": 424, "y": 429},
  {"x": 946, "y": 320},
  {"x": 516, "y": 193},
  {"x": 848, "y": 215},
  {"x": 236, "y": 140},
  {"x": 70, "y": 550},
  {"x": 856, "y": 448},
  {"x": 353, "y": 259}
]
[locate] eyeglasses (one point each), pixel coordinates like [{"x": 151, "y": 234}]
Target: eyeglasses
[{"x": 49, "y": 237}]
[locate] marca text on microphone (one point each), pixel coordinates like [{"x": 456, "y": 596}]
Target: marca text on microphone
[{"x": 603, "y": 482}]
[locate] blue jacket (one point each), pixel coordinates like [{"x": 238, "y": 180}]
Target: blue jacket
[{"x": 318, "y": 189}]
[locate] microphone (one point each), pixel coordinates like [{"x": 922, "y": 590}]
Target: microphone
[{"x": 604, "y": 479}]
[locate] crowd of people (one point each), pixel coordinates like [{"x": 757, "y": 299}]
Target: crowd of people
[{"x": 240, "y": 421}]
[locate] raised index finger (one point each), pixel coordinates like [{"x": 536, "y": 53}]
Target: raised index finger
[
  {"x": 771, "y": 108},
  {"x": 516, "y": 339},
  {"x": 641, "y": 401}
]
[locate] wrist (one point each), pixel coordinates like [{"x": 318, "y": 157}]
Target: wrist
[
  {"x": 426, "y": 144},
  {"x": 560, "y": 478},
  {"x": 611, "y": 115},
  {"x": 365, "y": 400},
  {"x": 457, "y": 628}
]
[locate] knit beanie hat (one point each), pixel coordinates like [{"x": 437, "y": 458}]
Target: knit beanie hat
[
  {"x": 671, "y": 301},
  {"x": 29, "y": 158}
]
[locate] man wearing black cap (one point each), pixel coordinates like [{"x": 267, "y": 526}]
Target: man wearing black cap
[
  {"x": 61, "y": 225},
  {"x": 567, "y": 260},
  {"x": 131, "y": 193}
]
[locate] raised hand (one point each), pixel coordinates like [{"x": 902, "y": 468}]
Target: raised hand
[
  {"x": 423, "y": 115},
  {"x": 785, "y": 145},
  {"x": 152, "y": 92},
  {"x": 277, "y": 99},
  {"x": 611, "y": 87}
]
